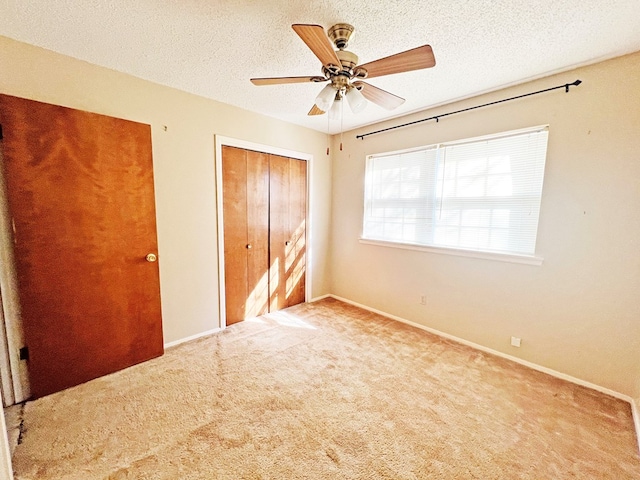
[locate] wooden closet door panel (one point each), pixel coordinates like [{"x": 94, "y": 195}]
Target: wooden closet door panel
[
  {"x": 295, "y": 251},
  {"x": 287, "y": 212},
  {"x": 278, "y": 230},
  {"x": 257, "y": 234},
  {"x": 234, "y": 211},
  {"x": 81, "y": 196}
]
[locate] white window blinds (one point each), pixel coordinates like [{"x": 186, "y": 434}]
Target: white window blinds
[{"x": 480, "y": 194}]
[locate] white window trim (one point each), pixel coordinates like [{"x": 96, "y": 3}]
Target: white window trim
[{"x": 459, "y": 252}]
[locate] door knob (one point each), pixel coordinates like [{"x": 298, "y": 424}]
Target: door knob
[
  {"x": 151, "y": 257},
  {"x": 249, "y": 246},
  {"x": 287, "y": 243}
]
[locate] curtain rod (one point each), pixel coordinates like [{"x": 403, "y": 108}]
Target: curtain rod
[{"x": 438, "y": 117}]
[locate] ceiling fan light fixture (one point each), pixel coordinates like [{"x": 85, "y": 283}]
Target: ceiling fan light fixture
[
  {"x": 325, "y": 98},
  {"x": 356, "y": 100}
]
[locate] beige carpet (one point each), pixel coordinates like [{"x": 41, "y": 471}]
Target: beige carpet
[{"x": 326, "y": 391}]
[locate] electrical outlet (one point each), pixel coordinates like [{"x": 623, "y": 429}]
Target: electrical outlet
[
  {"x": 515, "y": 341},
  {"x": 423, "y": 299}
]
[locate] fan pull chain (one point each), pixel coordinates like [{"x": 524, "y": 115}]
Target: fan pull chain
[
  {"x": 341, "y": 122},
  {"x": 328, "y": 136}
]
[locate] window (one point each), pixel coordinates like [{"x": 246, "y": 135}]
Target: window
[{"x": 481, "y": 194}]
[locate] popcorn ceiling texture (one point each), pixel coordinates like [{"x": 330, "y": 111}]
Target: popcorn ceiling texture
[
  {"x": 326, "y": 391},
  {"x": 213, "y": 48}
]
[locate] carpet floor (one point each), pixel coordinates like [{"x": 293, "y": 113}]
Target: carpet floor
[{"x": 326, "y": 391}]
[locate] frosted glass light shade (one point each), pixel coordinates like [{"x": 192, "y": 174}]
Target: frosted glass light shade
[
  {"x": 356, "y": 100},
  {"x": 325, "y": 98},
  {"x": 336, "y": 110}
]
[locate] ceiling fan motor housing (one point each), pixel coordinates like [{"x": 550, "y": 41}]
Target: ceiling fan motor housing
[{"x": 347, "y": 59}]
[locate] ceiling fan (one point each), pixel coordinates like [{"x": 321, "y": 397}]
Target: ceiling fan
[{"x": 341, "y": 69}]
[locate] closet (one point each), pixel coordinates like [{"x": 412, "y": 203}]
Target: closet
[{"x": 264, "y": 218}]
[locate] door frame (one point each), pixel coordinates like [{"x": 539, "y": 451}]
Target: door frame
[
  {"x": 221, "y": 141},
  {"x": 14, "y": 377}
]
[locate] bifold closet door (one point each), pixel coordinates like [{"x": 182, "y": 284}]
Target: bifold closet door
[
  {"x": 287, "y": 236},
  {"x": 245, "y": 178},
  {"x": 264, "y": 216}
]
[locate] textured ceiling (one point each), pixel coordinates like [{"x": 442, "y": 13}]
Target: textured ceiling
[{"x": 212, "y": 48}]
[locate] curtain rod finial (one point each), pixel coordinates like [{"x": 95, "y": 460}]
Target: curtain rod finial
[{"x": 574, "y": 84}]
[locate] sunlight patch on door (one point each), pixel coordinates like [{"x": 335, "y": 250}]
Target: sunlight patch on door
[
  {"x": 258, "y": 298},
  {"x": 274, "y": 279},
  {"x": 295, "y": 258}
]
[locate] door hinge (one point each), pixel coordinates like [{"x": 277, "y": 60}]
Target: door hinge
[
  {"x": 1, "y": 132},
  {"x": 24, "y": 353}
]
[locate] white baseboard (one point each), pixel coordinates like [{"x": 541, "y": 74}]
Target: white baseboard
[
  {"x": 498, "y": 353},
  {"x": 534, "y": 366},
  {"x": 192, "y": 337},
  {"x": 321, "y": 297}
]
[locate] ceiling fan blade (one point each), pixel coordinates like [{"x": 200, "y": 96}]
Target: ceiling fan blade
[
  {"x": 316, "y": 111},
  {"x": 414, "y": 59},
  {"x": 380, "y": 97},
  {"x": 318, "y": 42},
  {"x": 282, "y": 80}
]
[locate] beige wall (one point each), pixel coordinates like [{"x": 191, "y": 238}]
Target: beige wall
[
  {"x": 184, "y": 168},
  {"x": 577, "y": 313}
]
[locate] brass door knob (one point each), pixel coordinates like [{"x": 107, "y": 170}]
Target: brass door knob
[
  {"x": 151, "y": 257},
  {"x": 249, "y": 246}
]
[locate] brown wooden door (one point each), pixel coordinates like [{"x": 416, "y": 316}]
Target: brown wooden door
[
  {"x": 81, "y": 198},
  {"x": 287, "y": 236},
  {"x": 264, "y": 207},
  {"x": 245, "y": 176}
]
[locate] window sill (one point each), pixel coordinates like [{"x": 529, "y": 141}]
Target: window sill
[{"x": 501, "y": 257}]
